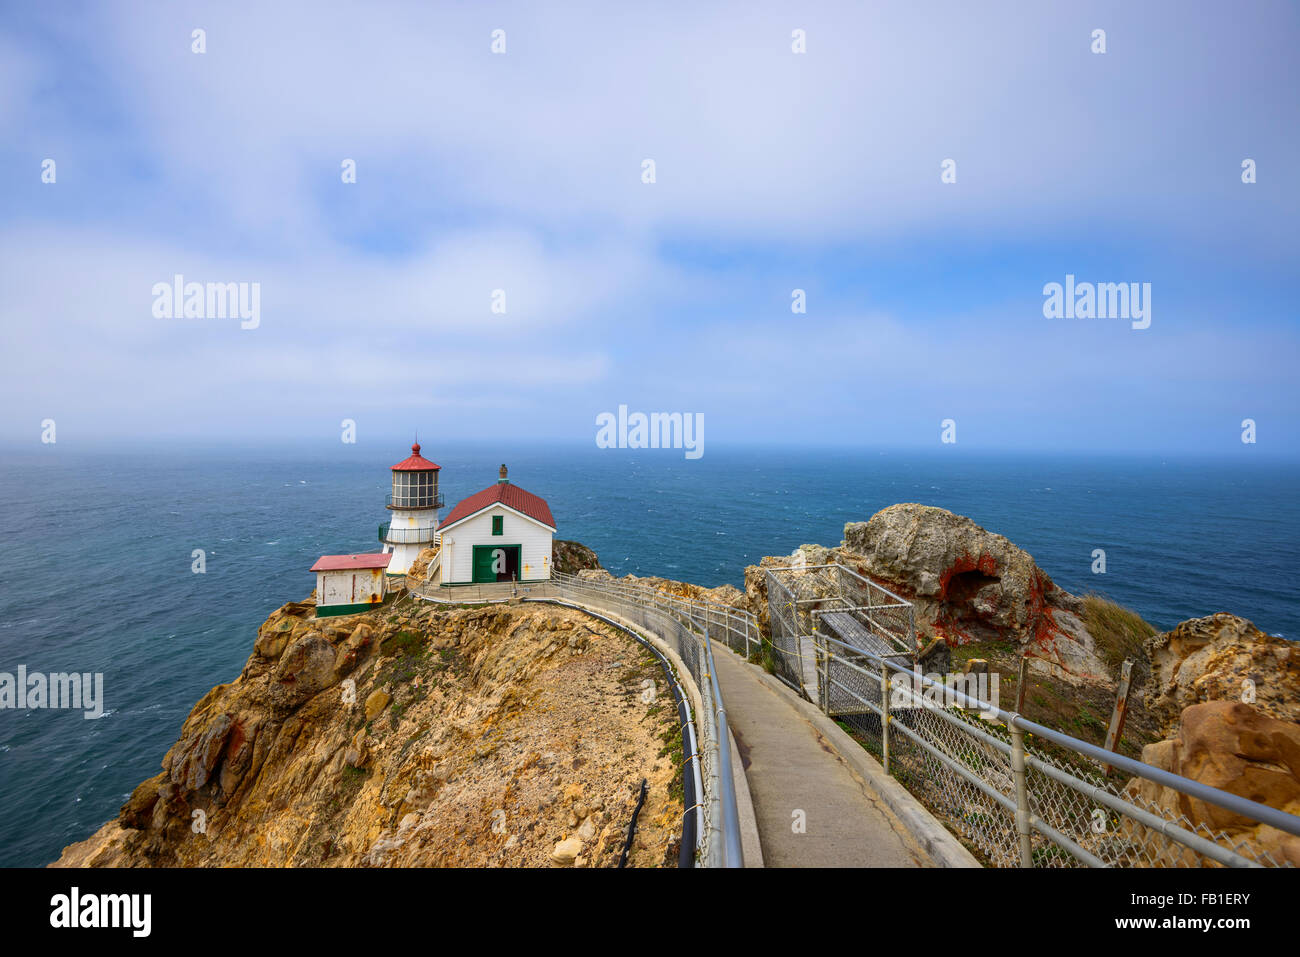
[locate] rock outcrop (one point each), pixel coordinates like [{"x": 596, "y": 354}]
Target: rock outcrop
[
  {"x": 418, "y": 573},
  {"x": 966, "y": 584},
  {"x": 1222, "y": 657},
  {"x": 1234, "y": 747},
  {"x": 970, "y": 584},
  {"x": 722, "y": 594},
  {"x": 572, "y": 557},
  {"x": 414, "y": 735}
]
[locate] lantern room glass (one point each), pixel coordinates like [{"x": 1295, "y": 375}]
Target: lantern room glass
[{"x": 415, "y": 489}]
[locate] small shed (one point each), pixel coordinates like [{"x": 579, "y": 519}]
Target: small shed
[{"x": 348, "y": 584}]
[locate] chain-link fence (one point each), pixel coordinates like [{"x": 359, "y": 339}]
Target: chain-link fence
[
  {"x": 799, "y": 598},
  {"x": 734, "y": 627},
  {"x": 1019, "y": 793}
]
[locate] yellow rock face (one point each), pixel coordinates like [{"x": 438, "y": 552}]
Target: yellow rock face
[
  {"x": 376, "y": 703},
  {"x": 415, "y": 735},
  {"x": 1225, "y": 658},
  {"x": 1239, "y": 749}
]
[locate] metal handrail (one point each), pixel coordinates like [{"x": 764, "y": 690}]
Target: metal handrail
[
  {"x": 687, "y": 621},
  {"x": 732, "y": 850},
  {"x": 1019, "y": 800},
  {"x": 647, "y": 592},
  {"x": 1232, "y": 802},
  {"x": 1204, "y": 792},
  {"x": 730, "y": 853}
]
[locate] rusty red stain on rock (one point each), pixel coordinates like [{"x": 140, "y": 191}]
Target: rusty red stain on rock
[
  {"x": 237, "y": 738},
  {"x": 986, "y": 564}
]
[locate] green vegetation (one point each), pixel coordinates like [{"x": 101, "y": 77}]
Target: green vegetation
[
  {"x": 672, "y": 749},
  {"x": 1119, "y": 634},
  {"x": 404, "y": 642},
  {"x": 413, "y": 656},
  {"x": 1086, "y": 722},
  {"x": 765, "y": 657},
  {"x": 352, "y": 777},
  {"x": 400, "y": 670},
  {"x": 1044, "y": 855},
  {"x": 449, "y": 659}
]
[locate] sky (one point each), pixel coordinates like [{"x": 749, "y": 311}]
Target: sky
[{"x": 774, "y": 171}]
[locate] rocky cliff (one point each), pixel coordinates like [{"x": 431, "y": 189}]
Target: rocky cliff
[
  {"x": 1222, "y": 658},
  {"x": 518, "y": 734},
  {"x": 967, "y": 585},
  {"x": 572, "y": 557},
  {"x": 1237, "y": 748},
  {"x": 513, "y": 735},
  {"x": 1228, "y": 698}
]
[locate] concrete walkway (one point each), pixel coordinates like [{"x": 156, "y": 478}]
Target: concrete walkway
[{"x": 792, "y": 764}]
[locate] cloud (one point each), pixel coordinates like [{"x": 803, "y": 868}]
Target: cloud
[
  {"x": 521, "y": 173},
  {"x": 844, "y": 141},
  {"x": 78, "y": 325}
]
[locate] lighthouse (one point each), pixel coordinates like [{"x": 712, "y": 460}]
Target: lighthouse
[{"x": 414, "y": 505}]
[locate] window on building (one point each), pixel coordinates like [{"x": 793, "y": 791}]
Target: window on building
[{"x": 497, "y": 522}]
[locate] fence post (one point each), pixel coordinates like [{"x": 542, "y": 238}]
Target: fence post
[
  {"x": 884, "y": 715},
  {"x": 1022, "y": 795},
  {"x": 1116, "y": 729},
  {"x": 824, "y": 648},
  {"x": 1022, "y": 677}
]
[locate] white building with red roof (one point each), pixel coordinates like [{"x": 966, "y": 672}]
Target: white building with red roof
[
  {"x": 349, "y": 584},
  {"x": 502, "y": 533},
  {"x": 414, "y": 504}
]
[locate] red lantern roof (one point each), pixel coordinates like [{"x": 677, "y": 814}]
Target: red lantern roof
[{"x": 416, "y": 463}]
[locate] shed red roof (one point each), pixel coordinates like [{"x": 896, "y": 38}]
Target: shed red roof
[
  {"x": 416, "y": 463},
  {"x": 503, "y": 493},
  {"x": 337, "y": 563}
]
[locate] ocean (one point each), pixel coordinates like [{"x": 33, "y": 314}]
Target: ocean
[{"x": 96, "y": 555}]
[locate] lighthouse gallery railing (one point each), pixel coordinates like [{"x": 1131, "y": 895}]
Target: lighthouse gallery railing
[{"x": 406, "y": 536}]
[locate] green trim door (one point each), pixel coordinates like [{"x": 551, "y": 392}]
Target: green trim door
[{"x": 485, "y": 564}]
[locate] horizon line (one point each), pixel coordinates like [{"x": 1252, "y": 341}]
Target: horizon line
[{"x": 298, "y": 445}]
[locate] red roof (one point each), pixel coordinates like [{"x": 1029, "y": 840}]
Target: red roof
[
  {"x": 503, "y": 493},
  {"x": 337, "y": 563},
  {"x": 416, "y": 463}
]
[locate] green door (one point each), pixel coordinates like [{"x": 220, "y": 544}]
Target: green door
[
  {"x": 496, "y": 563},
  {"x": 483, "y": 560}
]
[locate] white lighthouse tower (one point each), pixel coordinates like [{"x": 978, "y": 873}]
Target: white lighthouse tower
[{"x": 414, "y": 505}]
